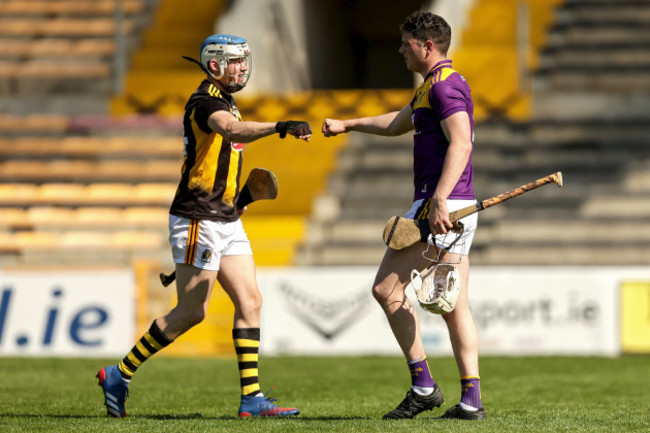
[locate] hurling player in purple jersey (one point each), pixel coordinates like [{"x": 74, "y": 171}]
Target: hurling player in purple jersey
[{"x": 441, "y": 114}]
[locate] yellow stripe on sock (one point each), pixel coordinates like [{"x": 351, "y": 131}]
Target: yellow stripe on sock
[
  {"x": 469, "y": 377},
  {"x": 152, "y": 342},
  {"x": 240, "y": 342},
  {"x": 135, "y": 361},
  {"x": 247, "y": 357},
  {"x": 124, "y": 369},
  {"x": 143, "y": 350},
  {"x": 250, "y": 388},
  {"x": 249, "y": 372}
]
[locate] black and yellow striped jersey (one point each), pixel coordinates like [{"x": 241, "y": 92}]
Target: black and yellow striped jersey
[{"x": 209, "y": 184}]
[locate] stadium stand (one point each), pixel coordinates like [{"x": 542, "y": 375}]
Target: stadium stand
[
  {"x": 97, "y": 189},
  {"x": 586, "y": 115},
  {"x": 112, "y": 178}
]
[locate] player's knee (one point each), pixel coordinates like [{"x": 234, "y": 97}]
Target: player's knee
[
  {"x": 194, "y": 316},
  {"x": 251, "y": 304},
  {"x": 195, "y": 319},
  {"x": 459, "y": 314},
  {"x": 380, "y": 294}
]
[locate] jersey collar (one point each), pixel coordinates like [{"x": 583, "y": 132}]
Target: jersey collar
[{"x": 438, "y": 66}]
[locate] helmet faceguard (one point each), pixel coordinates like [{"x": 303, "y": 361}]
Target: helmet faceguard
[{"x": 226, "y": 49}]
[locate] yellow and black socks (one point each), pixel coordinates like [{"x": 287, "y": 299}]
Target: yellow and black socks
[
  {"x": 247, "y": 346},
  {"x": 151, "y": 342}
]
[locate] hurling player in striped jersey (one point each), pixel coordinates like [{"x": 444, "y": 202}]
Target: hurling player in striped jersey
[{"x": 207, "y": 238}]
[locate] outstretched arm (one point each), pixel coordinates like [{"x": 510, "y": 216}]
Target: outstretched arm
[
  {"x": 231, "y": 129},
  {"x": 389, "y": 124}
]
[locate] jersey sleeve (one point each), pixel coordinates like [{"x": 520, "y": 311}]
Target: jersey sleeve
[
  {"x": 205, "y": 108},
  {"x": 447, "y": 99}
]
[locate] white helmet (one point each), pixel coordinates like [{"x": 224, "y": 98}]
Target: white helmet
[{"x": 224, "y": 48}]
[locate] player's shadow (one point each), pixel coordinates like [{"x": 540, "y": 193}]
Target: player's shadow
[
  {"x": 170, "y": 417},
  {"x": 186, "y": 416}
]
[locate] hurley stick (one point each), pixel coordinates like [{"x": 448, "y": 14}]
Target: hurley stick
[{"x": 400, "y": 232}]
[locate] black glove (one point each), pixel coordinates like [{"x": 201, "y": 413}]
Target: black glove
[{"x": 293, "y": 127}]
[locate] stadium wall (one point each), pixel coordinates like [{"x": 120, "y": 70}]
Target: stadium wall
[{"x": 330, "y": 311}]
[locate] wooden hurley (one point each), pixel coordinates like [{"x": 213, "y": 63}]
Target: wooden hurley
[
  {"x": 260, "y": 185},
  {"x": 400, "y": 233}
]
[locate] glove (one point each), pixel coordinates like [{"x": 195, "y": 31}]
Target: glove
[
  {"x": 293, "y": 127},
  {"x": 437, "y": 288}
]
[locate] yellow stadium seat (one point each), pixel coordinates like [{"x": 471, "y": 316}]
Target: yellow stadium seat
[
  {"x": 49, "y": 215},
  {"x": 18, "y": 193},
  {"x": 37, "y": 240},
  {"x": 98, "y": 216},
  {"x": 137, "y": 240},
  {"x": 151, "y": 216},
  {"x": 85, "y": 240},
  {"x": 13, "y": 216},
  {"x": 109, "y": 192},
  {"x": 159, "y": 193}
]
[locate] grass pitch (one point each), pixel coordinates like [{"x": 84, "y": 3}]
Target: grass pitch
[{"x": 554, "y": 394}]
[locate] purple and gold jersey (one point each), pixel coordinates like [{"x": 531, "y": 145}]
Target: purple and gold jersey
[
  {"x": 443, "y": 93},
  {"x": 209, "y": 184}
]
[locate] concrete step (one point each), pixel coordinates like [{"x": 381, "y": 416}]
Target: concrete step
[
  {"x": 605, "y": 36},
  {"x": 581, "y": 104},
  {"x": 617, "y": 206},
  {"x": 591, "y": 134},
  {"x": 586, "y": 78},
  {"x": 564, "y": 232},
  {"x": 595, "y": 58},
  {"x": 602, "y": 13}
]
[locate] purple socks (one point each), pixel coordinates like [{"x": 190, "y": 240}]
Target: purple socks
[
  {"x": 471, "y": 396},
  {"x": 421, "y": 380}
]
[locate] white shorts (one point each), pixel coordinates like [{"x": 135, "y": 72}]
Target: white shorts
[
  {"x": 450, "y": 241},
  {"x": 202, "y": 243}
]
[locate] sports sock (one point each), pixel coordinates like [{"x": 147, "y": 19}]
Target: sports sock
[
  {"x": 421, "y": 380},
  {"x": 151, "y": 342},
  {"x": 247, "y": 346},
  {"x": 471, "y": 393}
]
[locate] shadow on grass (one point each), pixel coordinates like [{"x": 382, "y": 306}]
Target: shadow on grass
[
  {"x": 188, "y": 416},
  {"x": 164, "y": 417}
]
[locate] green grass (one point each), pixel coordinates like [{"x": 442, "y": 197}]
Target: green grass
[{"x": 334, "y": 394}]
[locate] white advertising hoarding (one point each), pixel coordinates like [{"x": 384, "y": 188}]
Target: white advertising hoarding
[
  {"x": 66, "y": 313},
  {"x": 518, "y": 310},
  {"x": 322, "y": 311}
]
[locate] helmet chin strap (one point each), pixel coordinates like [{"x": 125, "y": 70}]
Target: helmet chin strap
[{"x": 200, "y": 66}]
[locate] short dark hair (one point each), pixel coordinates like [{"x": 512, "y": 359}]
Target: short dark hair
[{"x": 428, "y": 26}]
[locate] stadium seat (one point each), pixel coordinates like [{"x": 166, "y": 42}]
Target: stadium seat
[
  {"x": 85, "y": 240},
  {"x": 67, "y": 7},
  {"x": 100, "y": 216},
  {"x": 18, "y": 193},
  {"x": 60, "y": 193},
  {"x": 154, "y": 193},
  {"x": 10, "y": 217},
  {"x": 32, "y": 124},
  {"x": 146, "y": 216},
  {"x": 68, "y": 69},
  {"x": 37, "y": 240},
  {"x": 138, "y": 240},
  {"x": 47, "y": 216},
  {"x": 105, "y": 193}
]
